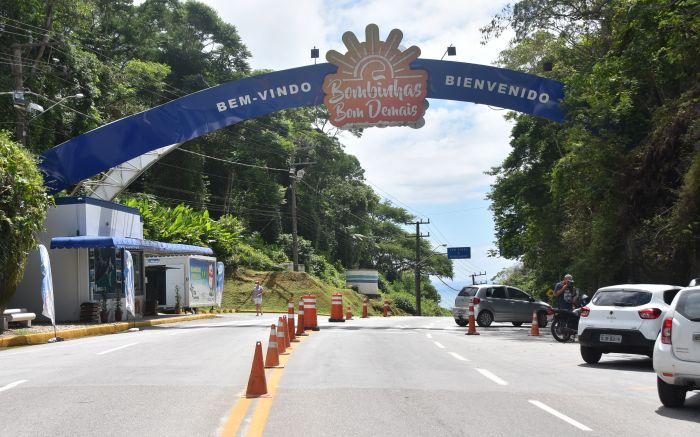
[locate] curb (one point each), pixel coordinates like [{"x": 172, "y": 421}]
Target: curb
[{"x": 41, "y": 338}]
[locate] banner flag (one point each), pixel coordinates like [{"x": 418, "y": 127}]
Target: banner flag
[
  {"x": 47, "y": 285},
  {"x": 129, "y": 282},
  {"x": 219, "y": 282}
]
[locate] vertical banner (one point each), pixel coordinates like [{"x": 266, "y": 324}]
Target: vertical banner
[
  {"x": 47, "y": 285},
  {"x": 219, "y": 282},
  {"x": 129, "y": 282}
]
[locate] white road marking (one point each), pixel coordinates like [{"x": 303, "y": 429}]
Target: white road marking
[
  {"x": 116, "y": 348},
  {"x": 439, "y": 345},
  {"x": 458, "y": 356},
  {"x": 12, "y": 385},
  {"x": 492, "y": 377},
  {"x": 563, "y": 417},
  {"x": 429, "y": 335}
]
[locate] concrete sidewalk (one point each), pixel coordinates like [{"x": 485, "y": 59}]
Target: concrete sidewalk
[{"x": 99, "y": 329}]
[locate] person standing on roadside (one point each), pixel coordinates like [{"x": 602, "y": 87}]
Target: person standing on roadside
[
  {"x": 565, "y": 293},
  {"x": 257, "y": 298}
]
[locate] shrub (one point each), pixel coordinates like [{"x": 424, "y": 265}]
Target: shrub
[{"x": 23, "y": 205}]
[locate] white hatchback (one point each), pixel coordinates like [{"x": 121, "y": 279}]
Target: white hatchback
[
  {"x": 677, "y": 349},
  {"x": 623, "y": 319}
]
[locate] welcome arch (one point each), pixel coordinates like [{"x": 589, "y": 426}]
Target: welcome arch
[{"x": 130, "y": 145}]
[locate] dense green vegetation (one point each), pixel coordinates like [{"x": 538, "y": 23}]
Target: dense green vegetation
[
  {"x": 23, "y": 205},
  {"x": 228, "y": 190},
  {"x": 613, "y": 194}
]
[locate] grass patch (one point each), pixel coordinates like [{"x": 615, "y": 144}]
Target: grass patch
[{"x": 279, "y": 287}]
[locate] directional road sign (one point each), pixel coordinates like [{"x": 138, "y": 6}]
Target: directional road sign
[{"x": 459, "y": 252}]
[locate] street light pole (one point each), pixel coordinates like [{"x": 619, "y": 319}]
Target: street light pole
[{"x": 55, "y": 103}]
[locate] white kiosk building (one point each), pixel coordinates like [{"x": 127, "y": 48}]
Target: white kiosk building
[{"x": 97, "y": 232}]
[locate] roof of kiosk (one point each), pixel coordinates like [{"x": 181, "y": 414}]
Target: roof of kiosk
[{"x": 148, "y": 246}]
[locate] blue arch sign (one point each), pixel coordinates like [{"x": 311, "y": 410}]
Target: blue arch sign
[{"x": 385, "y": 87}]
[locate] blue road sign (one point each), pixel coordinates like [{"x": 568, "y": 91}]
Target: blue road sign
[{"x": 459, "y": 252}]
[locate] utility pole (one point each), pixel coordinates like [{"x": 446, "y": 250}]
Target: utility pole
[
  {"x": 293, "y": 193},
  {"x": 417, "y": 273},
  {"x": 18, "y": 76},
  {"x": 473, "y": 275},
  {"x": 294, "y": 176}
]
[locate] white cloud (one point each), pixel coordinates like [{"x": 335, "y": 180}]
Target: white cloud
[
  {"x": 281, "y": 33},
  {"x": 442, "y": 162},
  {"x": 439, "y": 167}
]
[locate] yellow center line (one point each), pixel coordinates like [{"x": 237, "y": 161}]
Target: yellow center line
[{"x": 260, "y": 413}]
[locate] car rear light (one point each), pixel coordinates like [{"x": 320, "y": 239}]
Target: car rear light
[
  {"x": 476, "y": 300},
  {"x": 585, "y": 311},
  {"x": 650, "y": 313},
  {"x": 666, "y": 329}
]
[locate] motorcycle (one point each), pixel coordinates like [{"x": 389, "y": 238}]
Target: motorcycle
[{"x": 565, "y": 322}]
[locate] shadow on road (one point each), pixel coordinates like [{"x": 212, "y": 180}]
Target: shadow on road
[
  {"x": 633, "y": 363},
  {"x": 690, "y": 412}
]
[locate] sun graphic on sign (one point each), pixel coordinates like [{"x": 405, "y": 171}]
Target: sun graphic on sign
[{"x": 374, "y": 84}]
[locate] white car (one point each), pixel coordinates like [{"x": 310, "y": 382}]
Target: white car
[
  {"x": 677, "y": 349},
  {"x": 624, "y": 319}
]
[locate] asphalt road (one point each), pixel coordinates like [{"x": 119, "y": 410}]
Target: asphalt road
[{"x": 389, "y": 377}]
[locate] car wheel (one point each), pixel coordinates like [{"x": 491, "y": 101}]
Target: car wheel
[
  {"x": 517, "y": 323},
  {"x": 672, "y": 396},
  {"x": 542, "y": 319},
  {"x": 590, "y": 355},
  {"x": 484, "y": 319},
  {"x": 461, "y": 322}
]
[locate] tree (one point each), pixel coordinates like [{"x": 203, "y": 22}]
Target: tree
[
  {"x": 610, "y": 195},
  {"x": 23, "y": 206}
]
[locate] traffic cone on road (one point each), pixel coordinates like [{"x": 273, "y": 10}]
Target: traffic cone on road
[
  {"x": 285, "y": 325},
  {"x": 336, "y": 308},
  {"x": 300, "y": 320},
  {"x": 535, "y": 328},
  {"x": 364, "y": 308},
  {"x": 472, "y": 320},
  {"x": 348, "y": 314},
  {"x": 290, "y": 321},
  {"x": 272, "y": 359},
  {"x": 257, "y": 385},
  {"x": 386, "y": 308},
  {"x": 281, "y": 344}
]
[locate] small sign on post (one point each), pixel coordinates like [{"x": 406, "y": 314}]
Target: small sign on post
[{"x": 459, "y": 252}]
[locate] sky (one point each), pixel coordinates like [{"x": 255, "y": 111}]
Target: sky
[{"x": 436, "y": 172}]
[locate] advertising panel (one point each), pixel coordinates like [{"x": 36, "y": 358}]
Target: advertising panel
[{"x": 202, "y": 282}]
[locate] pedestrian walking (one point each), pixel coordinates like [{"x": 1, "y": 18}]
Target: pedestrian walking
[{"x": 257, "y": 298}]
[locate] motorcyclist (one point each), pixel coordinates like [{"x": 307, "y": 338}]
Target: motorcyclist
[{"x": 565, "y": 293}]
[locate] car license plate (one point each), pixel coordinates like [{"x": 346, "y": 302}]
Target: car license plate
[{"x": 610, "y": 338}]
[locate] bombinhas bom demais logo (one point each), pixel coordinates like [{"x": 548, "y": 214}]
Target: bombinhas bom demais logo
[{"x": 374, "y": 84}]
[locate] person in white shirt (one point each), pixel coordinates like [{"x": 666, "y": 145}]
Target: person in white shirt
[{"x": 257, "y": 298}]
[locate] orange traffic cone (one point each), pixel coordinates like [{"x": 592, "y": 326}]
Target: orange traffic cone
[
  {"x": 272, "y": 359},
  {"x": 287, "y": 341},
  {"x": 336, "y": 308},
  {"x": 257, "y": 385},
  {"x": 281, "y": 344},
  {"x": 348, "y": 313},
  {"x": 472, "y": 320},
  {"x": 386, "y": 308},
  {"x": 290, "y": 321},
  {"x": 535, "y": 328},
  {"x": 300, "y": 320},
  {"x": 364, "y": 308}
]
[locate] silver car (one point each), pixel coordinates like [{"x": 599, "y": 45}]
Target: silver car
[{"x": 499, "y": 303}]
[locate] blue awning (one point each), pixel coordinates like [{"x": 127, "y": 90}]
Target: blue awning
[{"x": 154, "y": 247}]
